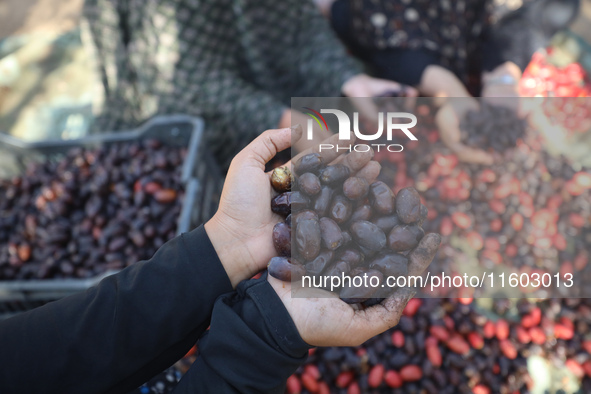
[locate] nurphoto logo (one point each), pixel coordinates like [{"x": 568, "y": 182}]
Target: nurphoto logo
[{"x": 392, "y": 124}]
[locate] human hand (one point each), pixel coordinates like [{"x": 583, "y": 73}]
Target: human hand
[
  {"x": 448, "y": 121},
  {"x": 241, "y": 229},
  {"x": 322, "y": 319},
  {"x": 362, "y": 85}
]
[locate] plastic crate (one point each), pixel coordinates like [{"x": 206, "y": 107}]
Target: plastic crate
[{"x": 200, "y": 174}]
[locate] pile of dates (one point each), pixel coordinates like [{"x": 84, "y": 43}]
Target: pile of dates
[
  {"x": 493, "y": 127},
  {"x": 91, "y": 211},
  {"x": 450, "y": 346},
  {"x": 338, "y": 225}
]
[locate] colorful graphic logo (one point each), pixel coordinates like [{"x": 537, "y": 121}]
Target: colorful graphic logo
[{"x": 316, "y": 118}]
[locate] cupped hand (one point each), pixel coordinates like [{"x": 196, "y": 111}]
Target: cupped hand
[
  {"x": 448, "y": 121},
  {"x": 241, "y": 231},
  {"x": 322, "y": 319}
]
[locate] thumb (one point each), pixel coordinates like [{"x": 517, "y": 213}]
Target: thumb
[{"x": 267, "y": 145}]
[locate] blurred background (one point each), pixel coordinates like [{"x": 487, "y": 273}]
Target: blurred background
[{"x": 101, "y": 91}]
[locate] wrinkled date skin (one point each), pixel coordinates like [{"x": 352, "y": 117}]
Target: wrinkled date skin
[
  {"x": 357, "y": 294},
  {"x": 281, "y": 179},
  {"x": 355, "y": 188},
  {"x": 281, "y": 204},
  {"x": 303, "y": 215},
  {"x": 386, "y": 223},
  {"x": 319, "y": 264},
  {"x": 368, "y": 235},
  {"x": 332, "y": 236},
  {"x": 308, "y": 239},
  {"x": 362, "y": 212},
  {"x": 334, "y": 174},
  {"x": 282, "y": 239},
  {"x": 351, "y": 256},
  {"x": 309, "y": 163},
  {"x": 299, "y": 201},
  {"x": 391, "y": 264},
  {"x": 408, "y": 205},
  {"x": 285, "y": 269},
  {"x": 341, "y": 209},
  {"x": 322, "y": 201},
  {"x": 338, "y": 269},
  {"x": 381, "y": 198},
  {"x": 403, "y": 238},
  {"x": 309, "y": 184}
]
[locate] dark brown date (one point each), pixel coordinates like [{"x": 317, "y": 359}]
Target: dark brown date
[
  {"x": 338, "y": 269},
  {"x": 322, "y": 201},
  {"x": 346, "y": 237},
  {"x": 319, "y": 264},
  {"x": 308, "y": 238},
  {"x": 282, "y": 239},
  {"x": 306, "y": 214},
  {"x": 408, "y": 205},
  {"x": 334, "y": 174},
  {"x": 332, "y": 236},
  {"x": 309, "y": 163},
  {"x": 351, "y": 256},
  {"x": 281, "y": 179},
  {"x": 281, "y": 204},
  {"x": 391, "y": 264},
  {"x": 285, "y": 269},
  {"x": 381, "y": 198},
  {"x": 368, "y": 235},
  {"x": 299, "y": 201},
  {"x": 355, "y": 188},
  {"x": 362, "y": 212},
  {"x": 403, "y": 238},
  {"x": 362, "y": 287},
  {"x": 309, "y": 184},
  {"x": 341, "y": 209},
  {"x": 386, "y": 223}
]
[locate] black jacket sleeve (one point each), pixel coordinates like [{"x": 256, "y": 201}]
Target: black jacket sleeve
[
  {"x": 115, "y": 336},
  {"x": 252, "y": 346}
]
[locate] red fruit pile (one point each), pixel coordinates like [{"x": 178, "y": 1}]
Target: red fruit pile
[{"x": 461, "y": 352}]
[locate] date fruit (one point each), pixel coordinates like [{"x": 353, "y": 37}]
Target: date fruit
[
  {"x": 309, "y": 163},
  {"x": 368, "y": 235},
  {"x": 309, "y": 184},
  {"x": 285, "y": 269},
  {"x": 408, "y": 205},
  {"x": 355, "y": 188},
  {"x": 381, "y": 198},
  {"x": 281, "y": 204},
  {"x": 332, "y": 236},
  {"x": 308, "y": 239},
  {"x": 282, "y": 239},
  {"x": 334, "y": 174},
  {"x": 403, "y": 238},
  {"x": 281, "y": 179}
]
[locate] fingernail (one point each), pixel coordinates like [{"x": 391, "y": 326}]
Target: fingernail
[{"x": 296, "y": 127}]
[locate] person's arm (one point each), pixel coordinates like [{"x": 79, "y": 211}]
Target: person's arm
[
  {"x": 261, "y": 334},
  {"x": 115, "y": 336},
  {"x": 253, "y": 345}
]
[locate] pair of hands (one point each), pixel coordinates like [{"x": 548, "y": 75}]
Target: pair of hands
[{"x": 241, "y": 233}]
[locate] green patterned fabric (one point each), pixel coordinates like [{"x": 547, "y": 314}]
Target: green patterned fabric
[{"x": 236, "y": 63}]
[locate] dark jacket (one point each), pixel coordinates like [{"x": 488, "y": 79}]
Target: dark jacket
[{"x": 132, "y": 325}]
